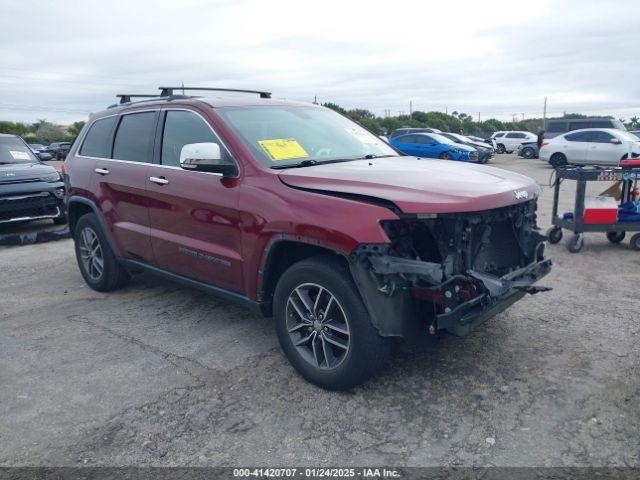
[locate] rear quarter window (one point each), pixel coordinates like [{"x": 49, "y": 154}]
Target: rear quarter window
[{"x": 97, "y": 142}]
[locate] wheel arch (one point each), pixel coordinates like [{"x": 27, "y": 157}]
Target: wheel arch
[
  {"x": 279, "y": 257},
  {"x": 77, "y": 207}
]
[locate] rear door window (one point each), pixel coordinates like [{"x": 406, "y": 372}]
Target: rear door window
[
  {"x": 577, "y": 137},
  {"x": 97, "y": 142},
  {"x": 516, "y": 135},
  {"x": 134, "y": 138}
]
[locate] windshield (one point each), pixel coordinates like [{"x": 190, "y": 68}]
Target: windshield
[
  {"x": 459, "y": 137},
  {"x": 281, "y": 136},
  {"x": 624, "y": 135},
  {"x": 13, "y": 150},
  {"x": 441, "y": 139}
]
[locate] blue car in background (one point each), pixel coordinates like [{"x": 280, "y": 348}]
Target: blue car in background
[{"x": 433, "y": 145}]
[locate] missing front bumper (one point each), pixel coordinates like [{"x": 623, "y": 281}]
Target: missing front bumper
[
  {"x": 403, "y": 306},
  {"x": 501, "y": 293}
]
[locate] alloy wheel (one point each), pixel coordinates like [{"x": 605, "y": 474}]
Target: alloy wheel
[
  {"x": 91, "y": 253},
  {"x": 318, "y": 326}
]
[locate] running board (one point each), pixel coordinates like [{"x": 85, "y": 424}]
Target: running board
[{"x": 257, "y": 307}]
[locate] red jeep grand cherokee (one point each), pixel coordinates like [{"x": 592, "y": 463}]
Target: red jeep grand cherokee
[{"x": 303, "y": 215}]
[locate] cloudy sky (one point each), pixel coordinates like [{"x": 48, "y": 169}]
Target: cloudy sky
[{"x": 63, "y": 59}]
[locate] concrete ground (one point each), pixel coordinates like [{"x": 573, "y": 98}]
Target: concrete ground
[{"x": 158, "y": 374}]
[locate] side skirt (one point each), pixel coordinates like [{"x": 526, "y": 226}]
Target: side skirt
[{"x": 256, "y": 307}]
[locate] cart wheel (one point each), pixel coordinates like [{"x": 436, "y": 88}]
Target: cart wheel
[
  {"x": 554, "y": 234},
  {"x": 635, "y": 242},
  {"x": 576, "y": 243},
  {"x": 615, "y": 237}
]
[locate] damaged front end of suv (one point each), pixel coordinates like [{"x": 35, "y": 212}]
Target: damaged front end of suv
[{"x": 450, "y": 271}]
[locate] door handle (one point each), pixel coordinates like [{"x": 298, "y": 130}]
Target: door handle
[
  {"x": 102, "y": 171},
  {"x": 159, "y": 180}
]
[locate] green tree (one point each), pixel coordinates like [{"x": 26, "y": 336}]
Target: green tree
[
  {"x": 48, "y": 132},
  {"x": 14, "y": 128},
  {"x": 75, "y": 127}
]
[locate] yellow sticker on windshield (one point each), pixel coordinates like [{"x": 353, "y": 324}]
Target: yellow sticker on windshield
[{"x": 283, "y": 148}]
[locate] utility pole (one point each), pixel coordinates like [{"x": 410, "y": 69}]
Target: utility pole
[
  {"x": 478, "y": 117},
  {"x": 446, "y": 110},
  {"x": 544, "y": 115},
  {"x": 523, "y": 116},
  {"x": 410, "y": 107},
  {"x": 315, "y": 99}
]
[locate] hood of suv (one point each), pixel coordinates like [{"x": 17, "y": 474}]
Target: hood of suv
[
  {"x": 417, "y": 185},
  {"x": 16, "y": 172}
]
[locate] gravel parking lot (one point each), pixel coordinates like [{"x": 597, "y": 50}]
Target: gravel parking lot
[{"x": 157, "y": 374}]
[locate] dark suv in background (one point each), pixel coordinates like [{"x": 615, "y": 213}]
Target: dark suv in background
[
  {"x": 59, "y": 150},
  {"x": 29, "y": 189},
  {"x": 301, "y": 214},
  {"x": 559, "y": 126}
]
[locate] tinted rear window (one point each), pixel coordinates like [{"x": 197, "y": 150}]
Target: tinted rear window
[
  {"x": 134, "y": 137},
  {"x": 97, "y": 142},
  {"x": 556, "y": 126}
]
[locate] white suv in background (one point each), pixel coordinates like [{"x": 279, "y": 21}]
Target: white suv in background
[
  {"x": 510, "y": 140},
  {"x": 590, "y": 146}
]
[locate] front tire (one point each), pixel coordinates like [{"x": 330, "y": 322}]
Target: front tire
[
  {"x": 323, "y": 326},
  {"x": 554, "y": 234},
  {"x": 500, "y": 148},
  {"x": 97, "y": 262},
  {"x": 445, "y": 156},
  {"x": 576, "y": 243}
]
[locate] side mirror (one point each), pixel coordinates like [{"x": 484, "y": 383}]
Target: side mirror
[
  {"x": 205, "y": 157},
  {"x": 616, "y": 141}
]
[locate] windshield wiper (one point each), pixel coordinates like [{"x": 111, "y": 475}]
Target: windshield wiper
[
  {"x": 309, "y": 163},
  {"x": 371, "y": 156},
  {"x": 303, "y": 163}
]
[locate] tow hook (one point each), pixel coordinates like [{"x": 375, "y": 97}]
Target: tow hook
[{"x": 533, "y": 289}]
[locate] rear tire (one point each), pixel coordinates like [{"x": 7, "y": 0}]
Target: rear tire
[
  {"x": 316, "y": 307},
  {"x": 558, "y": 160},
  {"x": 500, "y": 148},
  {"x": 615, "y": 237},
  {"x": 97, "y": 262},
  {"x": 528, "y": 152}
]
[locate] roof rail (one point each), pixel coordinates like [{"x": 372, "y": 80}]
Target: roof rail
[
  {"x": 126, "y": 97},
  {"x": 168, "y": 91}
]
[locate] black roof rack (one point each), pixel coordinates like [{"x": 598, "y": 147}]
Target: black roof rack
[
  {"x": 126, "y": 97},
  {"x": 168, "y": 91}
]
